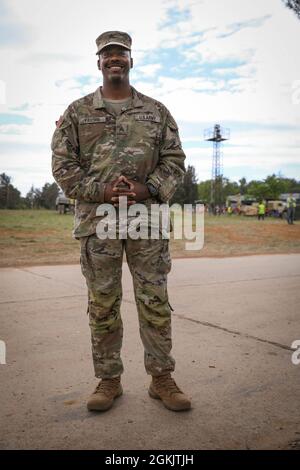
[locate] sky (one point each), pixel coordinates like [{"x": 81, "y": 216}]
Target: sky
[{"x": 231, "y": 62}]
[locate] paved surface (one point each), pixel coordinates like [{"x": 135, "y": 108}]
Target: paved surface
[{"x": 233, "y": 325}]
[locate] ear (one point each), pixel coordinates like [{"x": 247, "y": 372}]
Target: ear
[
  {"x": 131, "y": 63},
  {"x": 98, "y": 63}
]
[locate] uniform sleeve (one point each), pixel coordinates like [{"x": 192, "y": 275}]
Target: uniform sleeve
[
  {"x": 66, "y": 168},
  {"x": 168, "y": 174}
]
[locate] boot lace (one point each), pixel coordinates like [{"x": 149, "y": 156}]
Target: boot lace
[
  {"x": 166, "y": 383},
  {"x": 107, "y": 386}
]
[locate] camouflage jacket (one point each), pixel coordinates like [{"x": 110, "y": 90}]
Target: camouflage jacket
[{"x": 92, "y": 147}]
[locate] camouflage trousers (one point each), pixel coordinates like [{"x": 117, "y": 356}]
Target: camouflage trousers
[{"x": 149, "y": 263}]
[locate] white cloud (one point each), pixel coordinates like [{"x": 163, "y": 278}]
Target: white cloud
[
  {"x": 60, "y": 47},
  {"x": 149, "y": 70}
]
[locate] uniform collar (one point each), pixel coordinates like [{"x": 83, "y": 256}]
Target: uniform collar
[{"x": 98, "y": 102}]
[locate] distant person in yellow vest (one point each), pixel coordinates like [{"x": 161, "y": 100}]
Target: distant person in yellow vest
[
  {"x": 291, "y": 209},
  {"x": 261, "y": 211},
  {"x": 229, "y": 210}
]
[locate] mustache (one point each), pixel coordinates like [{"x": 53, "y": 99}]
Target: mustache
[{"x": 115, "y": 64}]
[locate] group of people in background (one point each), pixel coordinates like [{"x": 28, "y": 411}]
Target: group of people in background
[
  {"x": 261, "y": 210},
  {"x": 290, "y": 214}
]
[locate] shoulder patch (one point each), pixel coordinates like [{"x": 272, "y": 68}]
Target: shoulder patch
[{"x": 172, "y": 123}]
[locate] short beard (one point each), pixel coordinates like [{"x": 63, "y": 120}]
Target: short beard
[{"x": 116, "y": 80}]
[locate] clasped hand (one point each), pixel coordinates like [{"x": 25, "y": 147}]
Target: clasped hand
[{"x": 134, "y": 191}]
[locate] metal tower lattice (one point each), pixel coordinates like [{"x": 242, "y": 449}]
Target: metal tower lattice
[{"x": 217, "y": 135}]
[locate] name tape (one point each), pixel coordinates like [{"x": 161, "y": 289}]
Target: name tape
[{"x": 93, "y": 120}]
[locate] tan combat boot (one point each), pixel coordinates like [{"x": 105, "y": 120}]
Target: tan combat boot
[
  {"x": 164, "y": 388},
  {"x": 103, "y": 397}
]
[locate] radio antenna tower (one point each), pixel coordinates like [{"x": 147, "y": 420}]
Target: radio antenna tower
[{"x": 217, "y": 135}]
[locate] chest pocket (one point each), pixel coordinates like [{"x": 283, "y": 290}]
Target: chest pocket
[
  {"x": 91, "y": 130},
  {"x": 147, "y": 127}
]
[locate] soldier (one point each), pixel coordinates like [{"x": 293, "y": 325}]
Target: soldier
[
  {"x": 291, "y": 209},
  {"x": 111, "y": 143},
  {"x": 261, "y": 210}
]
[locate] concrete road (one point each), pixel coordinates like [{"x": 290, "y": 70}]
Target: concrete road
[{"x": 234, "y": 322}]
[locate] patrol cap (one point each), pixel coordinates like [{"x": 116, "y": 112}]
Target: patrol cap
[{"x": 109, "y": 38}]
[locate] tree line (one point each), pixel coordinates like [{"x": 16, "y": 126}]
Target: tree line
[
  {"x": 190, "y": 191},
  {"x": 10, "y": 197},
  {"x": 268, "y": 189}
]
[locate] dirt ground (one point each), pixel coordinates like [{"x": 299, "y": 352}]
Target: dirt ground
[
  {"x": 233, "y": 325},
  {"x": 41, "y": 237}
]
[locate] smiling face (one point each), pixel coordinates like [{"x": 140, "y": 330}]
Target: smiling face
[{"x": 115, "y": 63}]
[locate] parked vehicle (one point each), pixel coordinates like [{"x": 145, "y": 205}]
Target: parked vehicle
[
  {"x": 64, "y": 204},
  {"x": 276, "y": 208},
  {"x": 249, "y": 208},
  {"x": 242, "y": 204}
]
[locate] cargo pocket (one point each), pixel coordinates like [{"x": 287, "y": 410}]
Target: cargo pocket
[
  {"x": 164, "y": 263},
  {"x": 83, "y": 255}
]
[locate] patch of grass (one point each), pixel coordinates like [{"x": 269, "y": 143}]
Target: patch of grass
[{"x": 32, "y": 237}]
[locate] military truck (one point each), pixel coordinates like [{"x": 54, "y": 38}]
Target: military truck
[
  {"x": 64, "y": 204},
  {"x": 242, "y": 204},
  {"x": 249, "y": 208},
  {"x": 276, "y": 208}
]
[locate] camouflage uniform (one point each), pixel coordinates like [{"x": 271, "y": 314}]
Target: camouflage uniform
[{"x": 92, "y": 147}]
